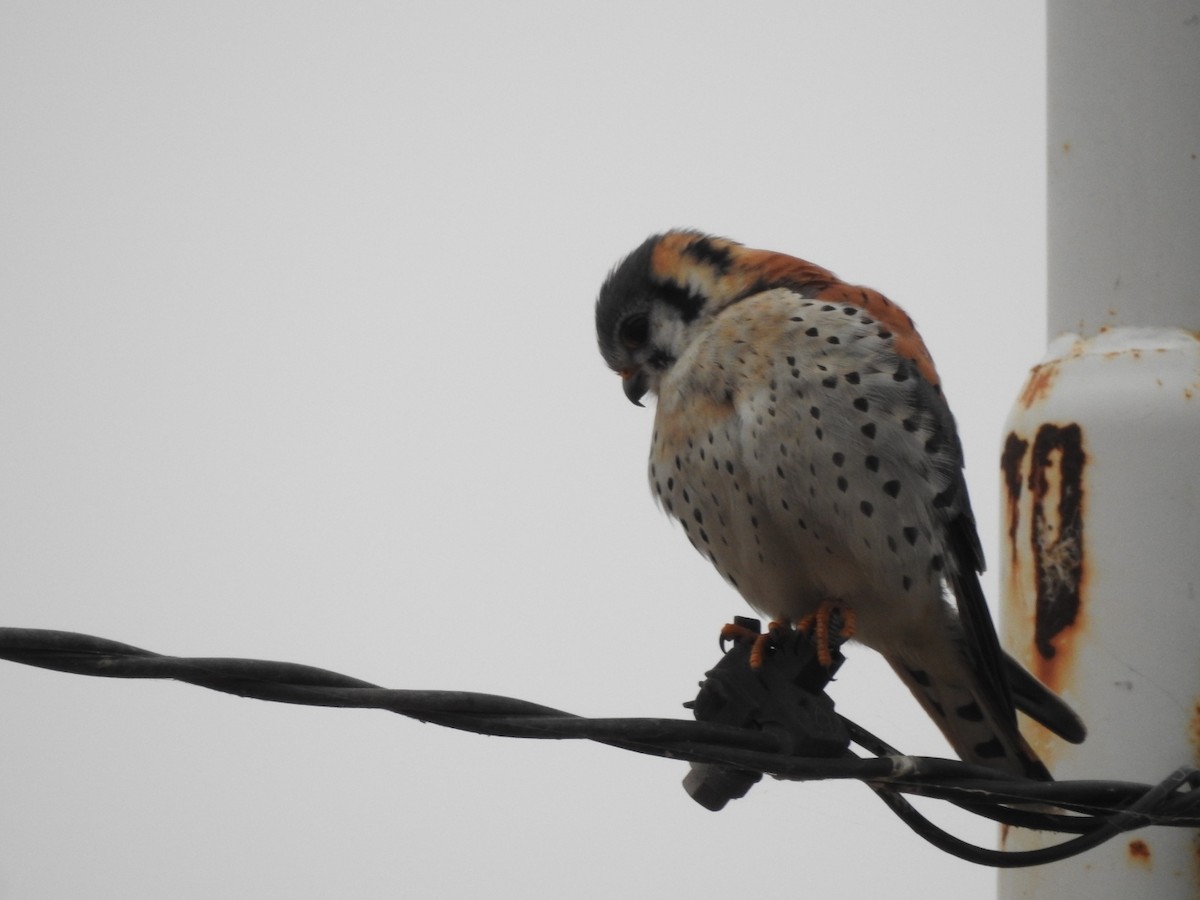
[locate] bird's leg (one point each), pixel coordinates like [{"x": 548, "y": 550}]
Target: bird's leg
[
  {"x": 816, "y": 625},
  {"x": 760, "y": 641}
]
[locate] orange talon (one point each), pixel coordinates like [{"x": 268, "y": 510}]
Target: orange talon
[
  {"x": 731, "y": 631},
  {"x": 760, "y": 641},
  {"x": 816, "y": 624}
]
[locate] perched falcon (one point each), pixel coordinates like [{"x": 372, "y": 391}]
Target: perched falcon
[{"x": 802, "y": 440}]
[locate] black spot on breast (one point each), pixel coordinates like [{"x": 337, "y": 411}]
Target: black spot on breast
[
  {"x": 891, "y": 543},
  {"x": 861, "y": 404},
  {"x": 729, "y": 467},
  {"x": 852, "y": 377},
  {"x": 699, "y": 516},
  {"x": 839, "y": 458},
  {"x": 891, "y": 488},
  {"x": 828, "y": 308},
  {"x": 686, "y": 496},
  {"x": 779, "y": 471},
  {"x": 944, "y": 498},
  {"x": 820, "y": 433},
  {"x": 910, "y": 535},
  {"x": 813, "y": 332},
  {"x": 936, "y": 563},
  {"x": 906, "y": 582},
  {"x": 815, "y": 412},
  {"x": 869, "y": 430},
  {"x": 872, "y": 463},
  {"x": 791, "y": 360},
  {"x": 910, "y": 424},
  {"x": 829, "y": 381},
  {"x": 833, "y": 339},
  {"x": 867, "y": 508},
  {"x": 842, "y": 484}
]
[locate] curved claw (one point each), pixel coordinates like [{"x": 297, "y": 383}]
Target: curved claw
[
  {"x": 817, "y": 624},
  {"x": 760, "y": 642},
  {"x": 731, "y": 632}
]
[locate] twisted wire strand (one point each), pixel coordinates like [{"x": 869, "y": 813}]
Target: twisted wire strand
[{"x": 1094, "y": 811}]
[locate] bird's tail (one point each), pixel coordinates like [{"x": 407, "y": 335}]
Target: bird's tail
[{"x": 979, "y": 729}]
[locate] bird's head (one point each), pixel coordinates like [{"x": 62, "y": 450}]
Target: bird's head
[{"x": 655, "y": 299}]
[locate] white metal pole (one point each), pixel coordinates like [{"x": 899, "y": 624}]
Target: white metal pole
[{"x": 1100, "y": 571}]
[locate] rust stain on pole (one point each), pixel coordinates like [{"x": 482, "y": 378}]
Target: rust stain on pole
[
  {"x": 1056, "y": 479},
  {"x": 1041, "y": 379},
  {"x": 1011, "y": 461},
  {"x": 1139, "y": 853},
  {"x": 1196, "y": 859}
]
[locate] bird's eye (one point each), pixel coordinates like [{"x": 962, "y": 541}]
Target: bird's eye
[{"x": 634, "y": 331}]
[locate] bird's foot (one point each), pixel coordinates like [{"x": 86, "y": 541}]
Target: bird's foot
[
  {"x": 829, "y": 615},
  {"x": 760, "y": 641}
]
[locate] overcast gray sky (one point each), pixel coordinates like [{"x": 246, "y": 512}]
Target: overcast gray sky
[{"x": 297, "y": 362}]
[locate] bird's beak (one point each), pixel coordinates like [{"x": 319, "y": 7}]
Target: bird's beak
[{"x": 634, "y": 383}]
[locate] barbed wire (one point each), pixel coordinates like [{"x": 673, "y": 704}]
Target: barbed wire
[{"x": 781, "y": 727}]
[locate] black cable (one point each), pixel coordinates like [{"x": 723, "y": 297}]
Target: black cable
[{"x": 754, "y": 723}]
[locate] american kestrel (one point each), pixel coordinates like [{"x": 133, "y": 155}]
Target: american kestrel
[{"x": 802, "y": 440}]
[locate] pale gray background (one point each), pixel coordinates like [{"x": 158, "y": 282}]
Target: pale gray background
[{"x": 297, "y": 362}]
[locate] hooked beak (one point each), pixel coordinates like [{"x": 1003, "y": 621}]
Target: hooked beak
[{"x": 634, "y": 383}]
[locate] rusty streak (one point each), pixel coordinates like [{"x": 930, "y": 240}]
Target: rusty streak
[
  {"x": 1139, "y": 852},
  {"x": 1010, "y": 464},
  {"x": 1037, "y": 388},
  {"x": 1056, "y": 483}
]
